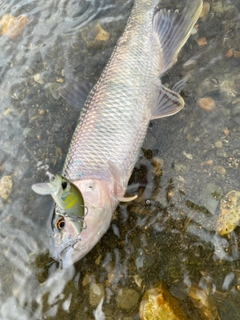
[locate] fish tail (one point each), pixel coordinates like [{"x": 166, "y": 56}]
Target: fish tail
[{"x": 173, "y": 29}]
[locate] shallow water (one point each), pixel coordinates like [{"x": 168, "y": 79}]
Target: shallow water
[{"x": 188, "y": 162}]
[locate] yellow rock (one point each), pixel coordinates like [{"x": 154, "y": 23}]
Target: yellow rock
[
  {"x": 159, "y": 304},
  {"x": 5, "y": 187},
  {"x": 12, "y": 26},
  {"x": 101, "y": 34},
  {"x": 94, "y": 37},
  {"x": 229, "y": 214}
]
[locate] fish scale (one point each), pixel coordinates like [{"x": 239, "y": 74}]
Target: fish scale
[{"x": 115, "y": 118}]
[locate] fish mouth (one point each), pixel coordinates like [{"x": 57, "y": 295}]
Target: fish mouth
[
  {"x": 65, "y": 238},
  {"x": 64, "y": 252}
]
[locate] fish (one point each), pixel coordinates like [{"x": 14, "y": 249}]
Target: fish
[{"x": 115, "y": 117}]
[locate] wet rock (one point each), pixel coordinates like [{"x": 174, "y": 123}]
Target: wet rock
[
  {"x": 218, "y": 144},
  {"x": 127, "y": 298},
  {"x": 229, "y": 53},
  {"x": 138, "y": 280},
  {"x": 158, "y": 303},
  {"x": 86, "y": 279},
  {"x": 229, "y": 213},
  {"x": 219, "y": 170},
  {"x": 96, "y": 293},
  {"x": 188, "y": 155},
  {"x": 94, "y": 37},
  {"x": 202, "y": 42},
  {"x": 206, "y": 103},
  {"x": 11, "y": 26},
  {"x": 38, "y": 78},
  {"x": 5, "y": 187}
]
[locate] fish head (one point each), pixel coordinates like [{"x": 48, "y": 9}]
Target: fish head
[{"x": 69, "y": 244}]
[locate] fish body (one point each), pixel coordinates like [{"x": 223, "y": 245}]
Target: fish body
[{"x": 115, "y": 117}]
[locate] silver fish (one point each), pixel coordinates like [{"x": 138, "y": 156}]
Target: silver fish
[{"x": 115, "y": 117}]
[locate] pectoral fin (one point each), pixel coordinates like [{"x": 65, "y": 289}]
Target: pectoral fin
[
  {"x": 76, "y": 93},
  {"x": 119, "y": 188},
  {"x": 168, "y": 103}
]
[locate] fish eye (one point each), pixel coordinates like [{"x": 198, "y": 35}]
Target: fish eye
[
  {"x": 64, "y": 185},
  {"x": 61, "y": 223}
]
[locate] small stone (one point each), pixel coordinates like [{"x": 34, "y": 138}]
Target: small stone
[
  {"x": 229, "y": 54},
  {"x": 229, "y": 213},
  {"x": 138, "y": 280},
  {"x": 98, "y": 260},
  {"x": 38, "y": 78},
  {"x": 218, "y": 144},
  {"x": 41, "y": 112},
  {"x": 202, "y": 42},
  {"x": 219, "y": 169},
  {"x": 59, "y": 80},
  {"x": 96, "y": 293},
  {"x": 226, "y": 131},
  {"x": 206, "y": 103},
  {"x": 188, "y": 155},
  {"x": 7, "y": 111},
  {"x": 127, "y": 298},
  {"x": 5, "y": 187},
  {"x": 86, "y": 279}
]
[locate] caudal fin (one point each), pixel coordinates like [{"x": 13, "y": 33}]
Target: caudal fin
[{"x": 174, "y": 28}]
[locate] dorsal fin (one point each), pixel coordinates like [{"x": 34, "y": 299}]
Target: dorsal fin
[{"x": 173, "y": 29}]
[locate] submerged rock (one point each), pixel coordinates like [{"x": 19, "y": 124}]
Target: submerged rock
[
  {"x": 5, "y": 187},
  {"x": 229, "y": 214},
  {"x": 96, "y": 293},
  {"x": 127, "y": 298},
  {"x": 11, "y": 26},
  {"x": 158, "y": 304}
]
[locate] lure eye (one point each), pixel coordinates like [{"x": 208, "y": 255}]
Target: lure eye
[
  {"x": 64, "y": 185},
  {"x": 61, "y": 224}
]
